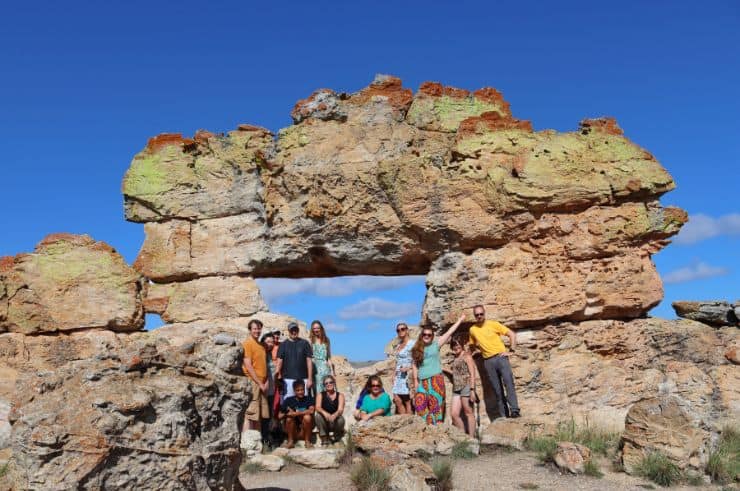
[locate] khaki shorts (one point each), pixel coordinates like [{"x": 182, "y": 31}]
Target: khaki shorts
[{"x": 257, "y": 408}]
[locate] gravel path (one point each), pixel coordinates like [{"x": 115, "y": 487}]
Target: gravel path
[{"x": 498, "y": 470}]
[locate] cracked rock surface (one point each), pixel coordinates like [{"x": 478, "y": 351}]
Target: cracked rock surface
[{"x": 100, "y": 410}]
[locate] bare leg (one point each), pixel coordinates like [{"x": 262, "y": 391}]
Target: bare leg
[
  {"x": 456, "y": 420},
  {"x": 307, "y": 427},
  {"x": 407, "y": 403},
  {"x": 400, "y": 409},
  {"x": 469, "y": 416},
  {"x": 290, "y": 429}
]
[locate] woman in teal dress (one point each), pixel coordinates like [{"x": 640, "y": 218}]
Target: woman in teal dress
[
  {"x": 429, "y": 399},
  {"x": 321, "y": 355}
]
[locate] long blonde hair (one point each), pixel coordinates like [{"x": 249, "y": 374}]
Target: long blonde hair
[{"x": 322, "y": 337}]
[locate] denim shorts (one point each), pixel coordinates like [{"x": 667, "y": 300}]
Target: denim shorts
[{"x": 464, "y": 392}]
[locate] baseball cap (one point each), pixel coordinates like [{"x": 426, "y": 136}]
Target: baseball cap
[{"x": 292, "y": 326}]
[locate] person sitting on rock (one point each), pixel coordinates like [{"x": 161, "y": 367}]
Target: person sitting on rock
[
  {"x": 486, "y": 336},
  {"x": 364, "y": 392},
  {"x": 463, "y": 386},
  {"x": 429, "y": 399},
  {"x": 329, "y": 409},
  {"x": 376, "y": 403},
  {"x": 297, "y": 411}
]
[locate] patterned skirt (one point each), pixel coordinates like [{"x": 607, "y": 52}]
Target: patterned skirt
[{"x": 429, "y": 400}]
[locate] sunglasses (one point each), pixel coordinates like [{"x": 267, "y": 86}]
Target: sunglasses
[
  {"x": 375, "y": 385},
  {"x": 401, "y": 329},
  {"x": 479, "y": 314},
  {"x": 329, "y": 382},
  {"x": 428, "y": 335}
]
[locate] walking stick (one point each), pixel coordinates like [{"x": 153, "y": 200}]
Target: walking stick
[{"x": 477, "y": 416}]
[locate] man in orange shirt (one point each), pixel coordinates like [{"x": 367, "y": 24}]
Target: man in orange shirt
[
  {"x": 255, "y": 367},
  {"x": 486, "y": 336}
]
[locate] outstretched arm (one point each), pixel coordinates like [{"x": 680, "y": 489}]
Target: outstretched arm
[{"x": 446, "y": 336}]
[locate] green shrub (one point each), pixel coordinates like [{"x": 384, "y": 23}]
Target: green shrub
[
  {"x": 591, "y": 468},
  {"x": 659, "y": 469},
  {"x": 596, "y": 439},
  {"x": 442, "y": 469},
  {"x": 462, "y": 450},
  {"x": 543, "y": 446},
  {"x": 369, "y": 476},
  {"x": 723, "y": 465}
]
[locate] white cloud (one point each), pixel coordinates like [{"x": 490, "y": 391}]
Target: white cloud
[
  {"x": 334, "y": 327},
  {"x": 697, "y": 271},
  {"x": 701, "y": 227},
  {"x": 276, "y": 288},
  {"x": 378, "y": 308}
]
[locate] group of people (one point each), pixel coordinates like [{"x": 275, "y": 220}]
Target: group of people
[
  {"x": 294, "y": 384},
  {"x": 419, "y": 384}
]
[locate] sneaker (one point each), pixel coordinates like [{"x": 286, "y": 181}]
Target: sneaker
[{"x": 515, "y": 414}]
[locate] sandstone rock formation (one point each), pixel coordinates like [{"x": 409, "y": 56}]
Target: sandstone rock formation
[
  {"x": 552, "y": 232},
  {"x": 100, "y": 410},
  {"x": 386, "y": 182},
  {"x": 717, "y": 313},
  {"x": 69, "y": 282}
]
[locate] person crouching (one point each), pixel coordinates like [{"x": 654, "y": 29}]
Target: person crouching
[{"x": 297, "y": 412}]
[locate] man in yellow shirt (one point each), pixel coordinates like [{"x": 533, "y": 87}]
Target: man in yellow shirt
[{"x": 486, "y": 336}]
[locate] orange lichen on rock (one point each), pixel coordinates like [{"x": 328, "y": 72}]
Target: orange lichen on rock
[
  {"x": 491, "y": 121},
  {"x": 386, "y": 86},
  {"x": 164, "y": 139},
  {"x": 6, "y": 263},
  {"x": 489, "y": 94},
  {"x": 606, "y": 125},
  {"x": 202, "y": 136},
  {"x": 436, "y": 89},
  {"x": 251, "y": 127}
]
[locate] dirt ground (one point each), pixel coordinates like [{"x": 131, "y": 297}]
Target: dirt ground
[{"x": 499, "y": 470}]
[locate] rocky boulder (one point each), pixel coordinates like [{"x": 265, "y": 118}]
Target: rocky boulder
[
  {"x": 406, "y": 473},
  {"x": 513, "y": 433},
  {"x": 409, "y": 435},
  {"x": 572, "y": 457},
  {"x": 314, "y": 458},
  {"x": 69, "y": 282},
  {"x": 662, "y": 424},
  {"x": 100, "y": 410},
  {"x": 716, "y": 313}
]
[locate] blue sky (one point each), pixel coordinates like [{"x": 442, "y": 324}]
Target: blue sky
[{"x": 83, "y": 85}]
